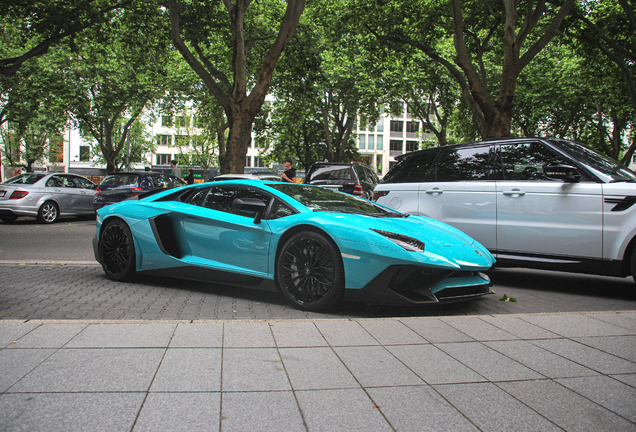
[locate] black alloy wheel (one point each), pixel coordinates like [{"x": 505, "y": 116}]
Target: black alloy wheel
[
  {"x": 117, "y": 251},
  {"x": 310, "y": 273},
  {"x": 48, "y": 212}
]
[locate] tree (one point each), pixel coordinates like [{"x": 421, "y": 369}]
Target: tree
[
  {"x": 609, "y": 27},
  {"x": 241, "y": 57},
  {"x": 114, "y": 72},
  {"x": 493, "y": 43},
  {"x": 30, "y": 28}
]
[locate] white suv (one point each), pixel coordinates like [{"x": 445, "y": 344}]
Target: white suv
[{"x": 533, "y": 202}]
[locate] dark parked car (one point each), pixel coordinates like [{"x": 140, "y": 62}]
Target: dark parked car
[
  {"x": 120, "y": 186},
  {"x": 46, "y": 196},
  {"x": 355, "y": 178}
]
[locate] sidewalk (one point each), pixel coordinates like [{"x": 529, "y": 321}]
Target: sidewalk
[{"x": 573, "y": 372}]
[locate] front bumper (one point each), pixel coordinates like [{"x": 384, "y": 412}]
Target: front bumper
[{"x": 417, "y": 285}]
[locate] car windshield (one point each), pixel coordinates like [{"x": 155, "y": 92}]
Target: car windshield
[
  {"x": 596, "y": 161},
  {"x": 322, "y": 199},
  {"x": 120, "y": 180},
  {"x": 28, "y": 178},
  {"x": 331, "y": 172}
]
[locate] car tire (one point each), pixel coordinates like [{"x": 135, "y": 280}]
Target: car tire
[
  {"x": 309, "y": 272},
  {"x": 48, "y": 212},
  {"x": 117, "y": 251},
  {"x": 8, "y": 218},
  {"x": 632, "y": 264}
]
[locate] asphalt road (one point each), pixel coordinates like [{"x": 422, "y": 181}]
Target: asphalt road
[{"x": 52, "y": 291}]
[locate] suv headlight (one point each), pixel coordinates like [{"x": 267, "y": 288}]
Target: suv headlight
[{"x": 407, "y": 243}]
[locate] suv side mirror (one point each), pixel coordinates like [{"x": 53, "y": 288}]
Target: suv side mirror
[
  {"x": 251, "y": 205},
  {"x": 566, "y": 173}
]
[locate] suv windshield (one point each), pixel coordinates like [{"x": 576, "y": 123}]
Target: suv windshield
[
  {"x": 28, "y": 178},
  {"x": 321, "y": 199},
  {"x": 596, "y": 161},
  {"x": 331, "y": 172}
]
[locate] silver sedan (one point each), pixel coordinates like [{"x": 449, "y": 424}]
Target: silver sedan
[{"x": 46, "y": 196}]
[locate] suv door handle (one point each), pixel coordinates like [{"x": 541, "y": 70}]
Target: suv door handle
[
  {"x": 435, "y": 190},
  {"x": 514, "y": 191}
]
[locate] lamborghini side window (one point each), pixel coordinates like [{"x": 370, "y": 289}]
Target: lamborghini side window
[
  {"x": 222, "y": 198},
  {"x": 198, "y": 198},
  {"x": 279, "y": 210}
]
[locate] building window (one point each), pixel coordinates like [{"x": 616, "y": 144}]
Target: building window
[
  {"x": 85, "y": 153},
  {"x": 181, "y": 140},
  {"x": 412, "y": 127},
  {"x": 362, "y": 142},
  {"x": 166, "y": 121},
  {"x": 56, "y": 151},
  {"x": 182, "y": 121},
  {"x": 165, "y": 140},
  {"x": 411, "y": 146},
  {"x": 258, "y": 162},
  {"x": 397, "y": 126},
  {"x": 380, "y": 142},
  {"x": 248, "y": 161},
  {"x": 163, "y": 159},
  {"x": 380, "y": 125},
  {"x": 371, "y": 142},
  {"x": 395, "y": 145}
]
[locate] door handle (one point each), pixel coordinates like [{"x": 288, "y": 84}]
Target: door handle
[
  {"x": 515, "y": 191},
  {"x": 434, "y": 191}
]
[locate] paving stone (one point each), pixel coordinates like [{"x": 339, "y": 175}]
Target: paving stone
[
  {"x": 418, "y": 408},
  {"x": 189, "y": 370},
  {"x": 261, "y": 411},
  {"x": 629, "y": 379},
  {"x": 49, "y": 336},
  {"x": 564, "y": 407},
  {"x": 253, "y": 369},
  {"x": 10, "y": 332},
  {"x": 94, "y": 412},
  {"x": 487, "y": 362},
  {"x": 540, "y": 360},
  {"x": 623, "y": 320},
  {"x": 478, "y": 329},
  {"x": 297, "y": 334},
  {"x": 492, "y": 409},
  {"x": 169, "y": 412},
  {"x": 345, "y": 333},
  {"x": 123, "y": 336},
  {"x": 93, "y": 370},
  {"x": 198, "y": 335},
  {"x": 436, "y": 330},
  {"x": 621, "y": 346},
  {"x": 348, "y": 410},
  {"x": 587, "y": 356},
  {"x": 607, "y": 392},
  {"x": 391, "y": 332},
  {"x": 575, "y": 325},
  {"x": 247, "y": 335},
  {"x": 316, "y": 368},
  {"x": 376, "y": 367},
  {"x": 16, "y": 363},
  {"x": 433, "y": 365},
  {"x": 518, "y": 327}
]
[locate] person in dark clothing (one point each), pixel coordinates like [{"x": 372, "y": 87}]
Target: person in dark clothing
[
  {"x": 190, "y": 177},
  {"x": 289, "y": 175}
]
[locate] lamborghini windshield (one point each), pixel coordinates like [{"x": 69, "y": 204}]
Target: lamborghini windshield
[{"x": 321, "y": 199}]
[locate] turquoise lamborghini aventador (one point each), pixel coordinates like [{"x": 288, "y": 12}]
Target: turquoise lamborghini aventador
[{"x": 317, "y": 246}]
